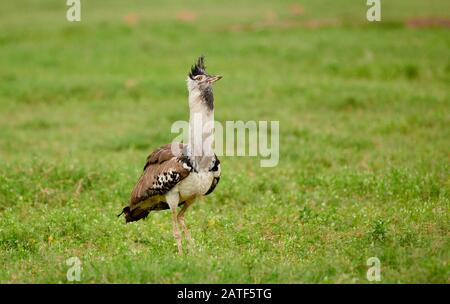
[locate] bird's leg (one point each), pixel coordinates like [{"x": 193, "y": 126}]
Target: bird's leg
[
  {"x": 176, "y": 232},
  {"x": 172, "y": 199},
  {"x": 183, "y": 224}
]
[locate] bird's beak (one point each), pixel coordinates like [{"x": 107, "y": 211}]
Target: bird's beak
[{"x": 213, "y": 79}]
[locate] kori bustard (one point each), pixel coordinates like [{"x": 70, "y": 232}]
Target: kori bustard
[{"x": 176, "y": 174}]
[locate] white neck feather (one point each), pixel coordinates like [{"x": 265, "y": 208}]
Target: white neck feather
[{"x": 201, "y": 131}]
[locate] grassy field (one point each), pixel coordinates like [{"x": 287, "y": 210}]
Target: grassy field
[{"x": 364, "y": 140}]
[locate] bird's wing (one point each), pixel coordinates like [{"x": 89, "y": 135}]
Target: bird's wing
[{"x": 162, "y": 171}]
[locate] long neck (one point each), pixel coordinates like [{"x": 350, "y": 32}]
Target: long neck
[{"x": 201, "y": 130}]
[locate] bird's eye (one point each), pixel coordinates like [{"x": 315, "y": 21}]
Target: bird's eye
[{"x": 199, "y": 77}]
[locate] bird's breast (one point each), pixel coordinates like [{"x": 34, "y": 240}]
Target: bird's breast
[{"x": 196, "y": 184}]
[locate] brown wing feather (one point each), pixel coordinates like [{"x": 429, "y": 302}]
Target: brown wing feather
[
  {"x": 162, "y": 154},
  {"x": 162, "y": 171}
]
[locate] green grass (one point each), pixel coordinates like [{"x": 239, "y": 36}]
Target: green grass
[{"x": 364, "y": 141}]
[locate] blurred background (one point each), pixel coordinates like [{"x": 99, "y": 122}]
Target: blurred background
[{"x": 363, "y": 110}]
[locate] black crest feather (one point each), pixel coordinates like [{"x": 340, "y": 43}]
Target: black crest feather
[{"x": 198, "y": 68}]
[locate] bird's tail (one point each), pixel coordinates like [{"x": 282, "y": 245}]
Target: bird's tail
[{"x": 133, "y": 215}]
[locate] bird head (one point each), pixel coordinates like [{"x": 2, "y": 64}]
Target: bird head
[{"x": 198, "y": 79}]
